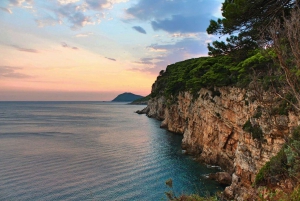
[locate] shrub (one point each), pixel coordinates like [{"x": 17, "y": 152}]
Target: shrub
[
  {"x": 247, "y": 126},
  {"x": 273, "y": 170},
  {"x": 296, "y": 133},
  {"x": 255, "y": 130},
  {"x": 293, "y": 157},
  {"x": 194, "y": 74}
]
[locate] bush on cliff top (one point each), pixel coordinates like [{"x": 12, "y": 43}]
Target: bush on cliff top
[{"x": 194, "y": 74}]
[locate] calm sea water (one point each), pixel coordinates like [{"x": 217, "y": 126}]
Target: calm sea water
[{"x": 91, "y": 151}]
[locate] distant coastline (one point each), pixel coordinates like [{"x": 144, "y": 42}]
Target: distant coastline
[{"x": 127, "y": 97}]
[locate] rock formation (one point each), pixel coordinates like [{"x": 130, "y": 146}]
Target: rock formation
[{"x": 212, "y": 126}]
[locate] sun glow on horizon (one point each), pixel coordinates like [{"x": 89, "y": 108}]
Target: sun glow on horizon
[{"x": 93, "y": 47}]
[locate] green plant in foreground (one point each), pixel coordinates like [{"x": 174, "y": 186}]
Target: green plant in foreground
[
  {"x": 292, "y": 151},
  {"x": 274, "y": 170},
  {"x": 285, "y": 164},
  {"x": 193, "y": 197}
]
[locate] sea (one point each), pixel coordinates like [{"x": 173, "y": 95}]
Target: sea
[{"x": 92, "y": 151}]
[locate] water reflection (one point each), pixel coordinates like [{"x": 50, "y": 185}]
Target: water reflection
[{"x": 100, "y": 151}]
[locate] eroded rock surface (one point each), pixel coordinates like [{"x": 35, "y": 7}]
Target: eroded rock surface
[{"x": 212, "y": 127}]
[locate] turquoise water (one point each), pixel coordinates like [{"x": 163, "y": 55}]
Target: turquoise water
[{"x": 91, "y": 151}]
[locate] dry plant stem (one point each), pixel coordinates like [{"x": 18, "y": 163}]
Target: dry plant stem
[
  {"x": 292, "y": 26},
  {"x": 290, "y": 30}
]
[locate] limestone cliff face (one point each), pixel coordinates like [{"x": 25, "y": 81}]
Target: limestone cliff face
[{"x": 212, "y": 128}]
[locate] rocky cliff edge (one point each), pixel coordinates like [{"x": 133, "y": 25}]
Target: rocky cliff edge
[{"x": 213, "y": 127}]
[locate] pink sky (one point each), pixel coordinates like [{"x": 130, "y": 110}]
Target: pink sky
[{"x": 95, "y": 50}]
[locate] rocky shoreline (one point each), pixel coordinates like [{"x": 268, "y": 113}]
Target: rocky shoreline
[{"x": 213, "y": 132}]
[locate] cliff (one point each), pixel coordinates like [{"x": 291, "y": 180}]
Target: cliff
[{"x": 215, "y": 127}]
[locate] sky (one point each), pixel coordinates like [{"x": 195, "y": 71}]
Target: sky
[{"x": 96, "y": 49}]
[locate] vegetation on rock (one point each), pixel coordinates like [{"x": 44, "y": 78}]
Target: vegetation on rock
[
  {"x": 143, "y": 100},
  {"x": 262, "y": 53},
  {"x": 194, "y": 74},
  {"x": 255, "y": 130}
]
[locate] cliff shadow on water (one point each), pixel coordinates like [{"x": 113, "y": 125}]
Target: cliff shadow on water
[{"x": 188, "y": 175}]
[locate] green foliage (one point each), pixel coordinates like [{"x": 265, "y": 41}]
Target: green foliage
[
  {"x": 284, "y": 105},
  {"x": 285, "y": 164},
  {"x": 142, "y": 100},
  {"x": 255, "y": 130},
  {"x": 274, "y": 170},
  {"x": 247, "y": 126},
  {"x": 279, "y": 195},
  {"x": 261, "y": 175},
  {"x": 296, "y": 133},
  {"x": 194, "y": 74},
  {"x": 248, "y": 19},
  {"x": 295, "y": 195},
  {"x": 193, "y": 197},
  {"x": 293, "y": 157},
  {"x": 292, "y": 152}
]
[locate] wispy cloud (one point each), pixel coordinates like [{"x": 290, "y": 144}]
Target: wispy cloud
[
  {"x": 184, "y": 35},
  {"x": 63, "y": 44},
  {"x": 73, "y": 13},
  {"x": 139, "y": 29},
  {"x": 10, "y": 72},
  {"x": 183, "y": 24},
  {"x": 171, "y": 53},
  {"x": 84, "y": 34},
  {"x": 145, "y": 61},
  {"x": 112, "y": 59},
  {"x": 102, "y": 4},
  {"x": 157, "y": 48},
  {"x": 6, "y": 10},
  {"x": 22, "y": 49},
  {"x": 48, "y": 21},
  {"x": 19, "y": 2},
  {"x": 67, "y": 1}
]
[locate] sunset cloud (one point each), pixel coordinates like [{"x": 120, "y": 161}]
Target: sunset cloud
[
  {"x": 22, "y": 49},
  {"x": 145, "y": 61},
  {"x": 112, "y": 59},
  {"x": 63, "y": 44},
  {"x": 172, "y": 53},
  {"x": 56, "y": 41},
  {"x": 10, "y": 72}
]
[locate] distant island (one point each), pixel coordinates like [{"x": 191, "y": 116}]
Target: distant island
[{"x": 127, "y": 97}]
